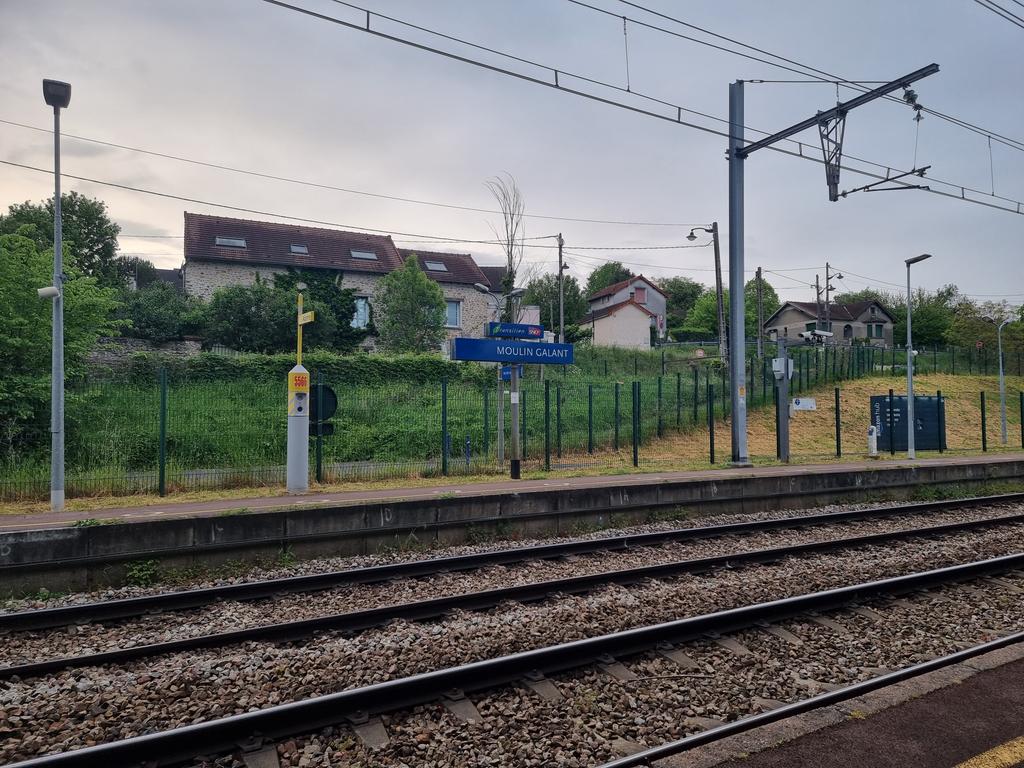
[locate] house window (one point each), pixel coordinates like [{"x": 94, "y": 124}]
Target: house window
[
  {"x": 361, "y": 318},
  {"x": 436, "y": 266},
  {"x": 874, "y": 311},
  {"x": 453, "y": 314},
  {"x": 230, "y": 242},
  {"x": 847, "y": 331},
  {"x": 302, "y": 250},
  {"x": 810, "y": 326},
  {"x": 879, "y": 330},
  {"x": 364, "y": 255},
  {"x": 640, "y": 295}
]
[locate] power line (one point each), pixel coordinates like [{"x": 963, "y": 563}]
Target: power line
[
  {"x": 1011, "y": 142},
  {"x": 1001, "y": 12},
  {"x": 959, "y": 193},
  {"x": 331, "y": 187}
]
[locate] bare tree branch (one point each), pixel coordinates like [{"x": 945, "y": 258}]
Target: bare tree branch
[{"x": 510, "y": 235}]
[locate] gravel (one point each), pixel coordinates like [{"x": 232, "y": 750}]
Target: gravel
[
  {"x": 80, "y": 707},
  {"x": 23, "y": 647}
]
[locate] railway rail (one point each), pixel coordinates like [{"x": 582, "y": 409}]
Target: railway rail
[
  {"x": 255, "y": 590},
  {"x": 424, "y": 610},
  {"x": 179, "y": 745}
]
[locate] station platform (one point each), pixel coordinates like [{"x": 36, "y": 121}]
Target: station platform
[
  {"x": 970, "y": 715},
  {"x": 492, "y": 489}
]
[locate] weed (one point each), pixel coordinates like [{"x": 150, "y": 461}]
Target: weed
[
  {"x": 88, "y": 522},
  {"x": 233, "y": 512},
  {"x": 286, "y": 558},
  {"x": 142, "y": 573},
  {"x": 448, "y": 495}
]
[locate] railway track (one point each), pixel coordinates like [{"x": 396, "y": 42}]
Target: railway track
[
  {"x": 268, "y": 588},
  {"x": 258, "y": 728},
  {"x": 425, "y": 610}
]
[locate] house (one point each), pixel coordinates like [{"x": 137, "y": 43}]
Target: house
[
  {"x": 866, "y": 320},
  {"x": 626, "y": 324},
  {"x": 222, "y": 252},
  {"x": 637, "y": 290}
]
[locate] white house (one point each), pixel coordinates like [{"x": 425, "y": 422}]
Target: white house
[
  {"x": 626, "y": 324},
  {"x": 637, "y": 290}
]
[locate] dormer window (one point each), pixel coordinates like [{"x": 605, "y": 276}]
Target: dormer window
[
  {"x": 300, "y": 250},
  {"x": 364, "y": 255},
  {"x": 436, "y": 266},
  {"x": 874, "y": 310},
  {"x": 640, "y": 295},
  {"x": 230, "y": 242}
]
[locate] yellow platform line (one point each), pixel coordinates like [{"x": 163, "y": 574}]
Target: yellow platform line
[{"x": 1004, "y": 756}]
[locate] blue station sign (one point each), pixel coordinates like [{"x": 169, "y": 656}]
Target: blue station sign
[
  {"x": 515, "y": 331},
  {"x": 501, "y": 351},
  {"x": 506, "y": 372}
]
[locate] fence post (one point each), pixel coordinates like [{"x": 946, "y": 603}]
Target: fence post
[
  {"x": 162, "y": 481},
  {"x": 618, "y": 415},
  {"x": 558, "y": 420},
  {"x": 984, "y": 424},
  {"x": 721, "y": 372},
  {"x": 952, "y": 360},
  {"x": 1021, "y": 413},
  {"x": 970, "y": 361},
  {"x": 590, "y": 418},
  {"x": 320, "y": 427},
  {"x": 679, "y": 399},
  {"x": 940, "y": 413},
  {"x": 662, "y": 361},
  {"x": 696, "y": 391},
  {"x": 661, "y": 429},
  {"x": 487, "y": 426},
  {"x": 892, "y": 436},
  {"x": 764, "y": 379},
  {"x": 711, "y": 421},
  {"x": 778, "y": 421},
  {"x": 935, "y": 358},
  {"x": 839, "y": 429},
  {"x": 444, "y": 427},
  {"x": 522, "y": 421},
  {"x": 605, "y": 367},
  {"x": 547, "y": 425},
  {"x": 635, "y": 368},
  {"x": 636, "y": 423}
]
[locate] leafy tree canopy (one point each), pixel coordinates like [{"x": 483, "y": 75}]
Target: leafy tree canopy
[
  {"x": 681, "y": 294},
  {"x": 543, "y": 291},
  {"x": 702, "y": 321},
  {"x": 159, "y": 312},
  {"x": 90, "y": 237},
  {"x": 609, "y": 273},
  {"x": 411, "y": 310},
  {"x": 324, "y": 287}
]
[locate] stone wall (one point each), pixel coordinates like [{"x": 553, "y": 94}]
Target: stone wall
[
  {"x": 202, "y": 278},
  {"x": 115, "y": 350}
]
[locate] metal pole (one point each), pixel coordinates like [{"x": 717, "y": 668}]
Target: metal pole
[
  {"x": 783, "y": 403},
  {"x": 561, "y": 292},
  {"x": 984, "y": 424},
  {"x": 711, "y": 422},
  {"x": 760, "y": 316},
  {"x": 514, "y": 426},
  {"x": 839, "y": 428},
  {"x": 737, "y": 332},
  {"x": 558, "y": 420},
  {"x": 57, "y": 357},
  {"x": 618, "y": 415},
  {"x": 500, "y": 421},
  {"x": 723, "y": 344},
  {"x": 636, "y": 423},
  {"x": 487, "y": 426},
  {"x": 910, "y": 378},
  {"x": 444, "y": 427},
  {"x": 320, "y": 427},
  {"x": 660, "y": 422},
  {"x": 547, "y": 426},
  {"x": 590, "y": 418},
  {"x": 1002, "y": 382},
  {"x": 163, "y": 432}
]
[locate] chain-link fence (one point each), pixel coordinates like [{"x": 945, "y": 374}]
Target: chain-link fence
[{"x": 176, "y": 434}]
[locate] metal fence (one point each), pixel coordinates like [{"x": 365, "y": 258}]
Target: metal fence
[{"x": 176, "y": 434}]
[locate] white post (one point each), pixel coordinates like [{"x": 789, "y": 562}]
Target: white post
[
  {"x": 57, "y": 358},
  {"x": 298, "y": 430}
]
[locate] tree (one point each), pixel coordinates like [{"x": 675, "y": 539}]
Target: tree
[
  {"x": 90, "y": 237},
  {"x": 324, "y": 287},
  {"x": 543, "y": 291},
  {"x": 262, "y": 318},
  {"x": 159, "y": 312},
  {"x": 681, "y": 294},
  {"x": 609, "y": 273},
  {"x": 25, "y": 328},
  {"x": 702, "y": 321},
  {"x": 411, "y": 310},
  {"x": 510, "y": 236}
]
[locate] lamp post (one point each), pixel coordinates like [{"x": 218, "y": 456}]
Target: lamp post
[
  {"x": 514, "y": 459},
  {"x": 1002, "y": 379},
  {"x": 713, "y": 231},
  {"x": 910, "y": 363},
  {"x": 57, "y": 95}
]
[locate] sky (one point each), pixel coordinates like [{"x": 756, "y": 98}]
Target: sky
[{"x": 247, "y": 84}]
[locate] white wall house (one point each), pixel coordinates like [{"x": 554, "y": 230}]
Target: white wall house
[
  {"x": 638, "y": 290},
  {"x": 626, "y": 324}
]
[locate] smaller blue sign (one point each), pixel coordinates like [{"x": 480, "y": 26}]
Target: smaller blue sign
[
  {"x": 500, "y": 351},
  {"x": 515, "y": 331},
  {"x": 506, "y": 372}
]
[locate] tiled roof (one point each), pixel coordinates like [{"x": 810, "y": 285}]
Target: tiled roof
[
  {"x": 461, "y": 267},
  {"x": 270, "y": 243},
  {"x": 494, "y": 276},
  {"x": 612, "y": 289},
  {"x": 837, "y": 312},
  {"x": 597, "y": 314}
]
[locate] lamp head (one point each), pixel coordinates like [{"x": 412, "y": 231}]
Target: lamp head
[
  {"x": 56, "y": 93},
  {"x": 916, "y": 259},
  {"x": 516, "y": 292},
  {"x": 481, "y": 287},
  {"x": 49, "y": 292},
  {"x": 691, "y": 237}
]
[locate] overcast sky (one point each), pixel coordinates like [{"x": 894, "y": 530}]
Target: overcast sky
[{"x": 254, "y": 86}]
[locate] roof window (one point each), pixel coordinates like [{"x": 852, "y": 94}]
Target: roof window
[
  {"x": 436, "y": 266},
  {"x": 300, "y": 249},
  {"x": 230, "y": 242},
  {"x": 364, "y": 255}
]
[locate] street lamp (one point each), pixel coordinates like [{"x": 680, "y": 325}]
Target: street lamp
[
  {"x": 57, "y": 95},
  {"x": 719, "y": 293},
  {"x": 1002, "y": 379},
  {"x": 910, "y": 363}
]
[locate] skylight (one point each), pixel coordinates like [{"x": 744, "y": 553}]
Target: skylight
[
  {"x": 231, "y": 242},
  {"x": 300, "y": 249},
  {"x": 365, "y": 255},
  {"x": 436, "y": 266}
]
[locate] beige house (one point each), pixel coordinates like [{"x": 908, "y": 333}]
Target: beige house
[
  {"x": 639, "y": 290},
  {"x": 867, "y": 320},
  {"x": 625, "y": 324},
  {"x": 222, "y": 252}
]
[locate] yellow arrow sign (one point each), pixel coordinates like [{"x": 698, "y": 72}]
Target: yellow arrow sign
[{"x": 306, "y": 317}]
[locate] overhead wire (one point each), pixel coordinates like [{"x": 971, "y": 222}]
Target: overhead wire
[{"x": 1001, "y": 12}]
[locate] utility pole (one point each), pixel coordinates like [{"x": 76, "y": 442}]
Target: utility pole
[
  {"x": 561, "y": 292},
  {"x": 817, "y": 299},
  {"x": 831, "y": 126},
  {"x": 828, "y": 292},
  {"x": 723, "y": 343},
  {"x": 760, "y": 316}
]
